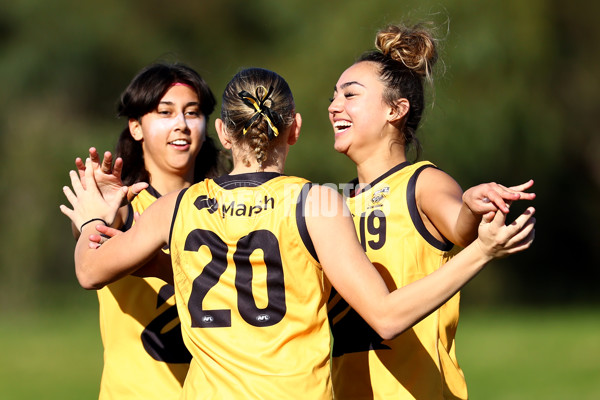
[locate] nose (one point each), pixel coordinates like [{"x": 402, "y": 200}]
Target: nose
[
  {"x": 181, "y": 122},
  {"x": 335, "y": 105}
]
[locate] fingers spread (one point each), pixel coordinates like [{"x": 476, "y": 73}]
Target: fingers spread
[
  {"x": 522, "y": 223},
  {"x": 70, "y": 195},
  {"x": 523, "y": 238},
  {"x": 75, "y": 183},
  {"x": 107, "y": 162},
  {"x": 66, "y": 210},
  {"x": 118, "y": 167},
  {"x": 94, "y": 157}
]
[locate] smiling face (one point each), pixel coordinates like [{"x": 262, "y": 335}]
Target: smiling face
[
  {"x": 359, "y": 114},
  {"x": 172, "y": 134}
]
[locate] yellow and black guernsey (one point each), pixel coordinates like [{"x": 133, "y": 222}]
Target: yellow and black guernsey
[
  {"x": 144, "y": 353},
  {"x": 421, "y": 362},
  {"x": 250, "y": 292}
]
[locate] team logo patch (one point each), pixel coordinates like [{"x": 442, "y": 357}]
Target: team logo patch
[{"x": 379, "y": 195}]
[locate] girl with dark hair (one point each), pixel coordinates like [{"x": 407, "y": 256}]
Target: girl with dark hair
[
  {"x": 408, "y": 217},
  {"x": 165, "y": 144},
  {"x": 143, "y": 96},
  {"x": 254, "y": 253}
]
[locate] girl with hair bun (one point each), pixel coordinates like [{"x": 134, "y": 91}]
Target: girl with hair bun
[
  {"x": 254, "y": 252},
  {"x": 408, "y": 216}
]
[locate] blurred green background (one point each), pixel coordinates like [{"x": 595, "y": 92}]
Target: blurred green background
[{"x": 517, "y": 96}]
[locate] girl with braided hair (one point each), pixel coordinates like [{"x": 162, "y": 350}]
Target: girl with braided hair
[
  {"x": 251, "y": 251},
  {"x": 408, "y": 217}
]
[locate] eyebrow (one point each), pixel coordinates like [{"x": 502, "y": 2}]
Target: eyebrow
[
  {"x": 346, "y": 84},
  {"x": 170, "y": 103}
]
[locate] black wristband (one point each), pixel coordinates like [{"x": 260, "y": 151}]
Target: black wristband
[{"x": 92, "y": 220}]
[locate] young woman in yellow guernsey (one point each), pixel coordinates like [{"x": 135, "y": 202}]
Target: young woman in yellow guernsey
[
  {"x": 408, "y": 217},
  {"x": 252, "y": 285},
  {"x": 165, "y": 144}
]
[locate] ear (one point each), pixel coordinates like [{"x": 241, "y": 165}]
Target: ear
[
  {"x": 295, "y": 129},
  {"x": 135, "y": 128},
  {"x": 223, "y": 134},
  {"x": 399, "y": 111}
]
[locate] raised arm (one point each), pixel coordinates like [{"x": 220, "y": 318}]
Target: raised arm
[
  {"x": 356, "y": 279},
  {"x": 158, "y": 266}
]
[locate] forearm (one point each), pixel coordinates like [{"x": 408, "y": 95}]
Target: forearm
[
  {"x": 85, "y": 268},
  {"x": 97, "y": 267}
]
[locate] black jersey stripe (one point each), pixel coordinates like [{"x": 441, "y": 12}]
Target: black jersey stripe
[
  {"x": 301, "y": 221},
  {"x": 177, "y": 203},
  {"x": 411, "y": 200}
]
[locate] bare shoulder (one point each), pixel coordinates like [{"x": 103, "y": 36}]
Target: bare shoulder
[
  {"x": 431, "y": 177},
  {"x": 433, "y": 181}
]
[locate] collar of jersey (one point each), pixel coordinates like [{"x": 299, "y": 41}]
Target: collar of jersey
[{"x": 250, "y": 179}]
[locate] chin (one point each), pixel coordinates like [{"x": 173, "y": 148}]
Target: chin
[{"x": 340, "y": 148}]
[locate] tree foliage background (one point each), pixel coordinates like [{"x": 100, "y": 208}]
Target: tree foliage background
[{"x": 516, "y": 96}]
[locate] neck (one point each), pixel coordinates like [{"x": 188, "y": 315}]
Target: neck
[
  {"x": 376, "y": 164},
  {"x": 242, "y": 168},
  {"x": 244, "y": 162},
  {"x": 165, "y": 183}
]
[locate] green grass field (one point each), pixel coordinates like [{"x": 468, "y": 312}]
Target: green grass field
[
  {"x": 530, "y": 355},
  {"x": 506, "y": 355},
  {"x": 55, "y": 353}
]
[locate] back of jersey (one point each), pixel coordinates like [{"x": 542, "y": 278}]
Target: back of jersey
[{"x": 250, "y": 293}]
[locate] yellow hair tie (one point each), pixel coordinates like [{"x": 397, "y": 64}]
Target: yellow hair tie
[{"x": 258, "y": 104}]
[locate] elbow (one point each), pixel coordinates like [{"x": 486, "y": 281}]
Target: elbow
[
  {"x": 388, "y": 329},
  {"x": 391, "y": 323},
  {"x": 88, "y": 284},
  {"x": 88, "y": 281},
  {"x": 388, "y": 334}
]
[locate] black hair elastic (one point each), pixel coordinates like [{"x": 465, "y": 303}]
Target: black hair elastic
[{"x": 92, "y": 220}]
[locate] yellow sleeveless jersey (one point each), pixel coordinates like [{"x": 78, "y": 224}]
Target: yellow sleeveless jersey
[
  {"x": 250, "y": 293},
  {"x": 421, "y": 362},
  {"x": 144, "y": 353}
]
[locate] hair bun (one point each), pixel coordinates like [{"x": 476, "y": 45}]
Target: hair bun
[{"x": 414, "y": 47}]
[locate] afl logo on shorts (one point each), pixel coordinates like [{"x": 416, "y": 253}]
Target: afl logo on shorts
[{"x": 208, "y": 319}]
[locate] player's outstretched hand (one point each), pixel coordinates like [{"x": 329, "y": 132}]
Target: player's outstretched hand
[
  {"x": 107, "y": 175},
  {"x": 487, "y": 197},
  {"x": 498, "y": 240},
  {"x": 87, "y": 200}
]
